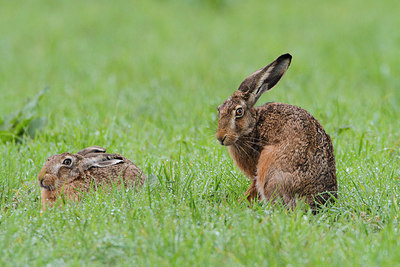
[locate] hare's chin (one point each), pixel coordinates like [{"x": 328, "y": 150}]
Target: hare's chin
[
  {"x": 47, "y": 187},
  {"x": 230, "y": 141}
]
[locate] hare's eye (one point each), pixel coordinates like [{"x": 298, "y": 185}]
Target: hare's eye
[
  {"x": 239, "y": 112},
  {"x": 67, "y": 161}
]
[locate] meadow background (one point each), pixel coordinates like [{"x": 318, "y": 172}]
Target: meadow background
[{"x": 144, "y": 78}]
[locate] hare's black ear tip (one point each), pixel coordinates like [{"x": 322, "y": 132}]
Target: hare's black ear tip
[
  {"x": 286, "y": 56},
  {"x": 284, "y": 59}
]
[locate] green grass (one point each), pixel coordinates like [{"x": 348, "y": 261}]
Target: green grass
[{"x": 144, "y": 79}]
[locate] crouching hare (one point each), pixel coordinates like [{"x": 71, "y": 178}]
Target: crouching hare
[
  {"x": 283, "y": 149},
  {"x": 74, "y": 174}
]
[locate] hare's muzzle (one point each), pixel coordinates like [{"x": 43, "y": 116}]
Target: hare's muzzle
[
  {"x": 226, "y": 139},
  {"x": 42, "y": 184},
  {"x": 46, "y": 180},
  {"x": 222, "y": 139}
]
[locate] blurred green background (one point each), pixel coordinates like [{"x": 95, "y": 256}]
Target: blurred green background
[{"x": 138, "y": 62}]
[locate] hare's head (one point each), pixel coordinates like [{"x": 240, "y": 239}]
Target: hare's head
[
  {"x": 237, "y": 116},
  {"x": 59, "y": 170},
  {"x": 66, "y": 167}
]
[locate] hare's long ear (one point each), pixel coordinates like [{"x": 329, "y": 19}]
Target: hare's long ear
[
  {"x": 91, "y": 149},
  {"x": 101, "y": 160},
  {"x": 264, "y": 79}
]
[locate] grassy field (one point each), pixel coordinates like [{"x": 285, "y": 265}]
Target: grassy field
[{"x": 144, "y": 79}]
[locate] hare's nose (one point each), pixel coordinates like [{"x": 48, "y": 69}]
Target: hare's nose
[
  {"x": 221, "y": 136},
  {"x": 43, "y": 185},
  {"x": 222, "y": 139}
]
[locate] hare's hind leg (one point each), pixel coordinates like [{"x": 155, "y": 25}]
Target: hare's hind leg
[
  {"x": 279, "y": 186},
  {"x": 272, "y": 182}
]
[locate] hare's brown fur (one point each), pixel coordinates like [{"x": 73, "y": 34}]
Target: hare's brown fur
[
  {"x": 283, "y": 149},
  {"x": 291, "y": 155},
  {"x": 71, "y": 181}
]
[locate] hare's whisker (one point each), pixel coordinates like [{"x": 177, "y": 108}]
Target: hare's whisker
[
  {"x": 254, "y": 143},
  {"x": 250, "y": 146},
  {"x": 250, "y": 138},
  {"x": 241, "y": 149}
]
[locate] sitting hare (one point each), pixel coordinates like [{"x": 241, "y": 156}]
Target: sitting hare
[
  {"x": 283, "y": 149},
  {"x": 73, "y": 174}
]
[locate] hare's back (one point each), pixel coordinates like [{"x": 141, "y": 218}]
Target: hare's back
[
  {"x": 298, "y": 137},
  {"x": 303, "y": 147},
  {"x": 279, "y": 122},
  {"x": 127, "y": 172}
]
